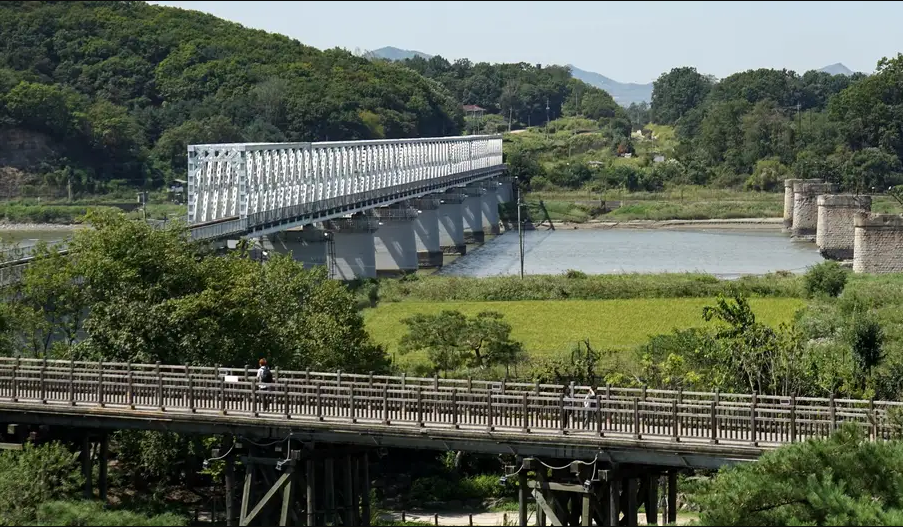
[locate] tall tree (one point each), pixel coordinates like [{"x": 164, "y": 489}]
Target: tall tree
[{"x": 677, "y": 92}]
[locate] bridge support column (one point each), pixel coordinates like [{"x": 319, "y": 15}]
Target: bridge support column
[
  {"x": 472, "y": 210},
  {"x": 834, "y": 236},
  {"x": 451, "y": 223},
  {"x": 229, "y": 476},
  {"x": 351, "y": 253},
  {"x": 308, "y": 246},
  {"x": 506, "y": 189},
  {"x": 805, "y": 209},
  {"x": 672, "y": 496},
  {"x": 103, "y": 459},
  {"x": 490, "y": 205},
  {"x": 788, "y": 200},
  {"x": 877, "y": 243},
  {"x": 395, "y": 241},
  {"x": 87, "y": 468},
  {"x": 426, "y": 232}
]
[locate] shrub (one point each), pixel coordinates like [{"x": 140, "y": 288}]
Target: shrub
[
  {"x": 95, "y": 513},
  {"x": 33, "y": 476},
  {"x": 827, "y": 278}
]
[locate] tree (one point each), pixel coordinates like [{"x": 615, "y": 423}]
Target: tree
[
  {"x": 842, "y": 480},
  {"x": 768, "y": 175},
  {"x": 453, "y": 340},
  {"x": 871, "y": 170},
  {"x": 677, "y": 92},
  {"x": 33, "y": 476}
]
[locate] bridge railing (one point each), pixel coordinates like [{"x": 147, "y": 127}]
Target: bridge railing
[
  {"x": 269, "y": 182},
  {"x": 744, "y": 419}
]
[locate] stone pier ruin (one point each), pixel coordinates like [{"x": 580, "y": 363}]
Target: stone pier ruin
[
  {"x": 834, "y": 235},
  {"x": 805, "y": 209},
  {"x": 877, "y": 243}
]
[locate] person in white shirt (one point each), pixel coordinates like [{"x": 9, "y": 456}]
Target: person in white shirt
[{"x": 264, "y": 379}]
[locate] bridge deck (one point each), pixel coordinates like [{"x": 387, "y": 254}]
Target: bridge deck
[{"x": 649, "y": 426}]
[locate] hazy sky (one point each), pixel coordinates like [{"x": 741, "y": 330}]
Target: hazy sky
[{"x": 626, "y": 41}]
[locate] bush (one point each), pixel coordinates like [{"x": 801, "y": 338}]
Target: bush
[
  {"x": 33, "y": 476},
  {"x": 827, "y": 278},
  {"x": 75, "y": 513}
]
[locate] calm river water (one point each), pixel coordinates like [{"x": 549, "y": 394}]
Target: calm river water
[{"x": 723, "y": 253}]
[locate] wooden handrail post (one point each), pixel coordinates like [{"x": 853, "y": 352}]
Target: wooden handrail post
[
  {"x": 159, "y": 388},
  {"x": 254, "y": 398},
  {"x": 714, "y": 422},
  {"x": 191, "y": 406},
  {"x": 874, "y": 419},
  {"x": 370, "y": 381},
  {"x": 454, "y": 404},
  {"x": 636, "y": 419},
  {"x": 100, "y": 384},
  {"x": 833, "y": 414},
  {"x": 793, "y": 418},
  {"x": 419, "y": 407},
  {"x": 287, "y": 408},
  {"x": 338, "y": 378},
  {"x": 319, "y": 403},
  {"x": 386, "y": 403},
  {"x": 72, "y": 382},
  {"x": 130, "y": 394},
  {"x": 351, "y": 403},
  {"x": 599, "y": 428},
  {"x": 222, "y": 390},
  {"x": 526, "y": 417},
  {"x": 15, "y": 385},
  {"x": 43, "y": 381},
  {"x": 562, "y": 414},
  {"x": 675, "y": 427},
  {"x": 753, "y": 436},
  {"x": 489, "y": 426},
  {"x": 436, "y": 381}
]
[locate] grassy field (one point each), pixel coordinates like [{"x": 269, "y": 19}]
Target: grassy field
[{"x": 549, "y": 327}]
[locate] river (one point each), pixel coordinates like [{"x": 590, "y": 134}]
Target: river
[{"x": 723, "y": 253}]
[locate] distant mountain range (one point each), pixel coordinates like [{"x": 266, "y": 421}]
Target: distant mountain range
[{"x": 624, "y": 93}]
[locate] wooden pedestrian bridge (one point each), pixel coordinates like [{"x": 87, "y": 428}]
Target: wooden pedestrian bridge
[{"x": 622, "y": 425}]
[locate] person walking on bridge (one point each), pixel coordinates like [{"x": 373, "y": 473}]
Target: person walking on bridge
[{"x": 264, "y": 380}]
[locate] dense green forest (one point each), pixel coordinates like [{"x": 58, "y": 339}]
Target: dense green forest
[
  {"x": 521, "y": 92},
  {"x": 749, "y": 130},
  {"x": 111, "y": 92}
]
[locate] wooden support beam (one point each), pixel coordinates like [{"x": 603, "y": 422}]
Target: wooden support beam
[
  {"x": 280, "y": 483},
  {"x": 614, "y": 502},
  {"x": 558, "y": 487},
  {"x": 348, "y": 493},
  {"x": 246, "y": 494},
  {"x": 229, "y": 475},
  {"x": 549, "y": 511},
  {"x": 672, "y": 496},
  {"x": 586, "y": 517},
  {"x": 651, "y": 500},
  {"x": 632, "y": 505},
  {"x": 522, "y": 497},
  {"x": 365, "y": 495},
  {"x": 287, "y": 497},
  {"x": 329, "y": 490},
  {"x": 103, "y": 459},
  {"x": 311, "y": 493},
  {"x": 87, "y": 469}
]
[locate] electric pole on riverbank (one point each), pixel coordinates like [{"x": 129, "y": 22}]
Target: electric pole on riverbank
[{"x": 520, "y": 231}]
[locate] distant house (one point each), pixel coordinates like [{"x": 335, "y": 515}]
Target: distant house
[
  {"x": 658, "y": 159},
  {"x": 472, "y": 110}
]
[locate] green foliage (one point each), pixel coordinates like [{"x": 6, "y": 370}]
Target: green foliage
[
  {"x": 34, "y": 476},
  {"x": 843, "y": 480},
  {"x": 865, "y": 338},
  {"x": 446, "y": 488},
  {"x": 827, "y": 278},
  {"x": 84, "y": 513},
  {"x": 452, "y": 340},
  {"x": 768, "y": 175},
  {"x": 155, "y": 295},
  {"x": 677, "y": 92},
  {"x": 121, "y": 88}
]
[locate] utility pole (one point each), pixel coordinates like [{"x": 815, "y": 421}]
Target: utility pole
[
  {"x": 520, "y": 230},
  {"x": 509, "y": 119},
  {"x": 799, "y": 117},
  {"x": 547, "y": 116}
]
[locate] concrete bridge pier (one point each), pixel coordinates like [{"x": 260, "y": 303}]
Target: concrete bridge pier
[
  {"x": 835, "y": 232},
  {"x": 877, "y": 243},
  {"x": 506, "y": 189},
  {"x": 490, "y": 206},
  {"x": 805, "y": 209},
  {"x": 395, "y": 242},
  {"x": 308, "y": 246},
  {"x": 351, "y": 254},
  {"x": 451, "y": 223},
  {"x": 472, "y": 209},
  {"x": 426, "y": 232},
  {"x": 788, "y": 200}
]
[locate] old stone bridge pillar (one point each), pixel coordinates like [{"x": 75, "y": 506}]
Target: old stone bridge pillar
[
  {"x": 788, "y": 200},
  {"x": 877, "y": 243},
  {"x": 834, "y": 236},
  {"x": 805, "y": 209}
]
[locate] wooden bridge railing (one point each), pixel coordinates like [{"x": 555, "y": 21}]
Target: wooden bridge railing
[{"x": 400, "y": 401}]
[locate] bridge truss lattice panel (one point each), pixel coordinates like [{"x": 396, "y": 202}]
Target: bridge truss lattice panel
[{"x": 260, "y": 183}]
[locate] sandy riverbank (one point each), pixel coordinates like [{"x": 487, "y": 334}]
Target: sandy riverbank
[
  {"x": 40, "y": 226},
  {"x": 760, "y": 224}
]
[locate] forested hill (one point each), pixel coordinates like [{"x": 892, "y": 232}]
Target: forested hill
[
  {"x": 109, "y": 93},
  {"x": 519, "y": 90}
]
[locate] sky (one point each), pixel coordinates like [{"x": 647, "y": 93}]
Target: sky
[{"x": 625, "y": 41}]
